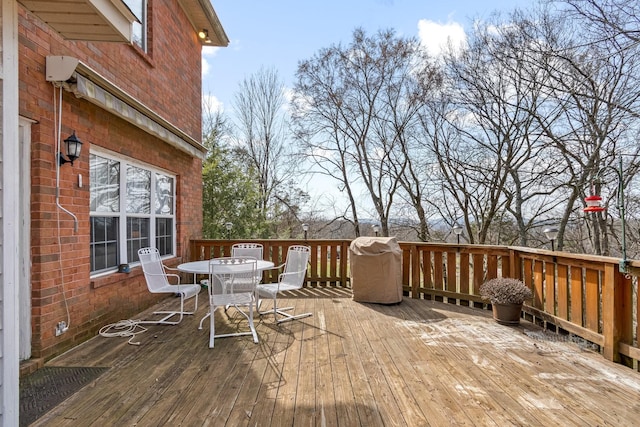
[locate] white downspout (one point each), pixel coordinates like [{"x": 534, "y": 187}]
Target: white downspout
[
  {"x": 58, "y": 117},
  {"x": 57, "y": 107}
]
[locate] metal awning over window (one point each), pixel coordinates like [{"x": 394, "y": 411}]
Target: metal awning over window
[
  {"x": 76, "y": 77},
  {"x": 141, "y": 116}
]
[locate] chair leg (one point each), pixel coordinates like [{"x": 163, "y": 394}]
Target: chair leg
[
  {"x": 212, "y": 330},
  {"x": 170, "y": 314},
  {"x": 203, "y": 319},
  {"x": 281, "y": 311},
  {"x": 213, "y": 336},
  {"x": 288, "y": 317},
  {"x": 251, "y": 325}
]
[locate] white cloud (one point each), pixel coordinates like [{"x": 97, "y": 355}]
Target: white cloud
[
  {"x": 208, "y": 52},
  {"x": 205, "y": 66},
  {"x": 435, "y": 37},
  {"x": 288, "y": 94},
  {"x": 211, "y": 51},
  {"x": 211, "y": 104}
]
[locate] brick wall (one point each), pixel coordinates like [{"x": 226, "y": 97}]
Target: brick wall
[
  {"x": 171, "y": 71},
  {"x": 168, "y": 80}
]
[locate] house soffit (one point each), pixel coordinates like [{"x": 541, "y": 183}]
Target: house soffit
[
  {"x": 88, "y": 20},
  {"x": 203, "y": 17}
]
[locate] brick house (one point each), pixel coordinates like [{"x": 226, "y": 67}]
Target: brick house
[{"x": 125, "y": 78}]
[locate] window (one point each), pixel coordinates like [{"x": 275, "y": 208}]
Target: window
[
  {"x": 139, "y": 9},
  {"x": 122, "y": 217}
]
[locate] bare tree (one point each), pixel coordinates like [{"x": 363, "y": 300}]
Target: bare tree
[
  {"x": 409, "y": 158},
  {"x": 261, "y": 133},
  {"x": 486, "y": 142},
  {"x": 609, "y": 21},
  {"x": 352, "y": 107},
  {"x": 594, "y": 86},
  {"x": 229, "y": 193}
]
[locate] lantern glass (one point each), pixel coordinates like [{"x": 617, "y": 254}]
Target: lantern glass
[
  {"x": 73, "y": 147},
  {"x": 551, "y": 233}
]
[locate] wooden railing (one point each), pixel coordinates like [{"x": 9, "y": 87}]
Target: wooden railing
[
  {"x": 327, "y": 266},
  {"x": 582, "y": 295}
]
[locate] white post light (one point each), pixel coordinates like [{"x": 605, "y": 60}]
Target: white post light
[
  {"x": 457, "y": 229},
  {"x": 551, "y": 233}
]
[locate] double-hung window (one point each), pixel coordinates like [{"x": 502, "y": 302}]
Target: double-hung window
[
  {"x": 139, "y": 9},
  {"x": 132, "y": 207}
]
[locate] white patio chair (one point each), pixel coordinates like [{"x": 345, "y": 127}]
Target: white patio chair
[
  {"x": 253, "y": 250},
  {"x": 291, "y": 278},
  {"x": 155, "y": 274},
  {"x": 227, "y": 287}
]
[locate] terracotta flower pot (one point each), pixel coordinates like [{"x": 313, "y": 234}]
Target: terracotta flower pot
[{"x": 507, "y": 314}]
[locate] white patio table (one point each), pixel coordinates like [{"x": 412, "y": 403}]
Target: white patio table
[{"x": 202, "y": 267}]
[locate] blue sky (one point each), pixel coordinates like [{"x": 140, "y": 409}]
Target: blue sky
[{"x": 277, "y": 34}]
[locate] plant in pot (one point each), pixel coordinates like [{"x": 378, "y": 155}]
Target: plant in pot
[{"x": 506, "y": 296}]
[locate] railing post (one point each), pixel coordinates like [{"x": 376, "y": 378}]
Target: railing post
[
  {"x": 515, "y": 269},
  {"x": 616, "y": 311},
  {"x": 346, "y": 268},
  {"x": 414, "y": 276}
]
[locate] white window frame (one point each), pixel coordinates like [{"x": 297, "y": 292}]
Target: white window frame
[
  {"x": 143, "y": 22},
  {"x": 122, "y": 215}
]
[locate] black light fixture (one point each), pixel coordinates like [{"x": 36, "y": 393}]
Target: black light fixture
[
  {"x": 457, "y": 230},
  {"x": 376, "y": 229},
  {"x": 73, "y": 146},
  {"x": 551, "y": 233},
  {"x": 228, "y": 226},
  {"x": 305, "y": 228}
]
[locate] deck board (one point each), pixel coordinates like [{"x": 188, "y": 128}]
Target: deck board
[{"x": 418, "y": 363}]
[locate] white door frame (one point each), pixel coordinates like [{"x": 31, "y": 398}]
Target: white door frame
[
  {"x": 10, "y": 212},
  {"x": 24, "y": 249}
]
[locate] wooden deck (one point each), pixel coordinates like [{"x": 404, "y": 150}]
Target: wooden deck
[{"x": 419, "y": 363}]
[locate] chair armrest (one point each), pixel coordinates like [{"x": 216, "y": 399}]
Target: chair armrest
[
  {"x": 173, "y": 275},
  {"x": 282, "y": 276},
  {"x": 290, "y": 273},
  {"x": 277, "y": 267}
]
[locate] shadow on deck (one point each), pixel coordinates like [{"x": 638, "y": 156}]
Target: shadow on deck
[{"x": 350, "y": 364}]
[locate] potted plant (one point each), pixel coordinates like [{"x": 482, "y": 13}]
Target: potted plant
[{"x": 506, "y": 296}]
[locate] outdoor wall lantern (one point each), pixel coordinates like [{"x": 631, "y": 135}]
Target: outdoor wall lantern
[
  {"x": 594, "y": 205},
  {"x": 228, "y": 226},
  {"x": 551, "y": 233},
  {"x": 305, "y": 228},
  {"x": 73, "y": 146},
  {"x": 457, "y": 230},
  {"x": 376, "y": 229}
]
